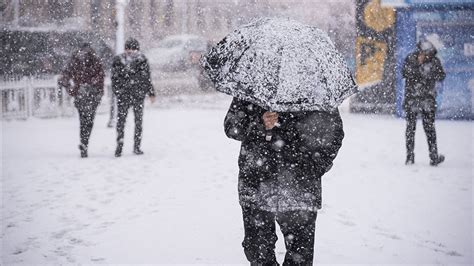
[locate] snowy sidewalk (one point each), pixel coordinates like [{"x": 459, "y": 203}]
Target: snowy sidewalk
[{"x": 177, "y": 204}]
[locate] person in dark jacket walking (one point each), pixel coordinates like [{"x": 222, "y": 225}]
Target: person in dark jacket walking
[
  {"x": 131, "y": 82},
  {"x": 421, "y": 70},
  {"x": 87, "y": 75},
  {"x": 282, "y": 159}
]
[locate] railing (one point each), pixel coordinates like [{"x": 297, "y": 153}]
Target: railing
[{"x": 39, "y": 96}]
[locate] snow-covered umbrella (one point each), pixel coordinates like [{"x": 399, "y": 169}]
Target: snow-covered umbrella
[{"x": 281, "y": 65}]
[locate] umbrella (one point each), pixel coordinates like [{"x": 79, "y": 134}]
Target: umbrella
[{"x": 280, "y": 65}]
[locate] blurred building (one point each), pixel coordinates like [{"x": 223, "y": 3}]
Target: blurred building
[
  {"x": 56, "y": 15},
  {"x": 43, "y": 14},
  {"x": 151, "y": 20},
  {"x": 375, "y": 60},
  {"x": 388, "y": 30},
  {"x": 449, "y": 25}
]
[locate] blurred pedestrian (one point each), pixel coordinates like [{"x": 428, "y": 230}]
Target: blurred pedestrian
[
  {"x": 83, "y": 78},
  {"x": 107, "y": 56},
  {"x": 113, "y": 109},
  {"x": 421, "y": 70},
  {"x": 131, "y": 82}
]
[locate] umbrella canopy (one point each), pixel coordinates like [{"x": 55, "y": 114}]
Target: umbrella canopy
[{"x": 280, "y": 65}]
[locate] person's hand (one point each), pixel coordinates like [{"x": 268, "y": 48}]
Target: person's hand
[
  {"x": 270, "y": 120},
  {"x": 152, "y": 99}
]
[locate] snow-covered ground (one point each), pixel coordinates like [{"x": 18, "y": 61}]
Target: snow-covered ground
[{"x": 177, "y": 204}]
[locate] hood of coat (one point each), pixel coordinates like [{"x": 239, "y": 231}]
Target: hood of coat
[{"x": 427, "y": 48}]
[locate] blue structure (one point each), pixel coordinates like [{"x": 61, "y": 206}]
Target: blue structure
[{"x": 449, "y": 25}]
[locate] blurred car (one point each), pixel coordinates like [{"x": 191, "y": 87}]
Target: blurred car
[
  {"x": 178, "y": 56},
  {"x": 25, "y": 52},
  {"x": 177, "y": 52}
]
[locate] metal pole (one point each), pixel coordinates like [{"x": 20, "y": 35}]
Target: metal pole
[
  {"x": 16, "y": 13},
  {"x": 184, "y": 27},
  {"x": 120, "y": 32}
]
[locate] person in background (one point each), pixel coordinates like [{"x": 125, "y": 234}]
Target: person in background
[
  {"x": 113, "y": 110},
  {"x": 283, "y": 157},
  {"x": 421, "y": 70},
  {"x": 131, "y": 83},
  {"x": 83, "y": 78}
]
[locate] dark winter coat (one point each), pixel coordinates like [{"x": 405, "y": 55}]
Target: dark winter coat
[
  {"x": 84, "y": 68},
  {"x": 420, "y": 92},
  {"x": 131, "y": 77},
  {"x": 285, "y": 173}
]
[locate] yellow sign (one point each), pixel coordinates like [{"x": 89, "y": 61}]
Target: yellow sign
[
  {"x": 370, "y": 60},
  {"x": 377, "y": 17}
]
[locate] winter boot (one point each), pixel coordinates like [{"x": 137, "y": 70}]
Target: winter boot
[
  {"x": 118, "y": 151},
  {"x": 110, "y": 124},
  {"x": 410, "y": 159},
  {"x": 83, "y": 149},
  {"x": 137, "y": 151},
  {"x": 438, "y": 160}
]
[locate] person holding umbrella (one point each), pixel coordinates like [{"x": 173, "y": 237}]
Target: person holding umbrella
[{"x": 286, "y": 80}]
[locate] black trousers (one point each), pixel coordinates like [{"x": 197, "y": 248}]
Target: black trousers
[
  {"x": 428, "y": 119},
  {"x": 123, "y": 105},
  {"x": 86, "y": 110},
  {"x": 298, "y": 228}
]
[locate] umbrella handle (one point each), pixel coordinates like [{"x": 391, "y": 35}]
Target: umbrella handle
[{"x": 268, "y": 134}]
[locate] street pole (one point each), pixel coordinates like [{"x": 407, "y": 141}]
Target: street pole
[
  {"x": 184, "y": 26},
  {"x": 16, "y": 13},
  {"x": 120, "y": 32}
]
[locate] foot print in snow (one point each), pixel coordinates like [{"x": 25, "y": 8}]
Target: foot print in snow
[
  {"x": 378, "y": 228},
  {"x": 19, "y": 251},
  {"x": 440, "y": 247},
  {"x": 75, "y": 241},
  {"x": 391, "y": 236},
  {"x": 10, "y": 225},
  {"x": 53, "y": 207},
  {"x": 454, "y": 254},
  {"x": 347, "y": 223},
  {"x": 61, "y": 196},
  {"x": 60, "y": 234},
  {"x": 65, "y": 252},
  {"x": 345, "y": 220},
  {"x": 91, "y": 210},
  {"x": 386, "y": 233},
  {"x": 31, "y": 242},
  {"x": 98, "y": 259},
  {"x": 434, "y": 243},
  {"x": 106, "y": 201},
  {"x": 105, "y": 225}
]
